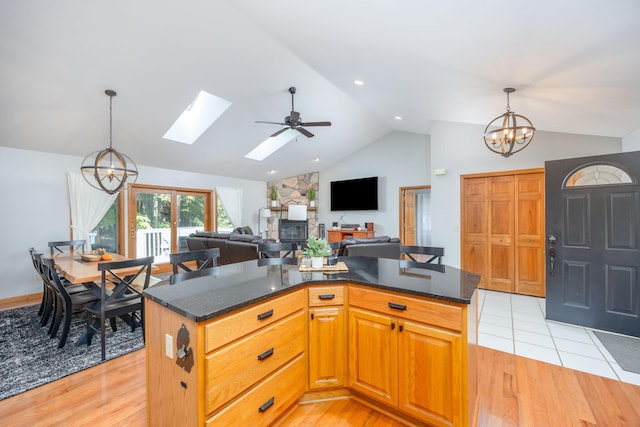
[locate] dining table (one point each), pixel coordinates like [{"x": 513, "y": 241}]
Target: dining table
[{"x": 76, "y": 270}]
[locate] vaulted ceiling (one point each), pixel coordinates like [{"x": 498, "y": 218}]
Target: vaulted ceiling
[{"x": 575, "y": 64}]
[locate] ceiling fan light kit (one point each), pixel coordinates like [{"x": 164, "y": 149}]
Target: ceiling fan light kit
[
  {"x": 108, "y": 170},
  {"x": 508, "y": 133}
]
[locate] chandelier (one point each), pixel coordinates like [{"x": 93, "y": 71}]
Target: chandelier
[
  {"x": 109, "y": 170},
  {"x": 509, "y": 133}
]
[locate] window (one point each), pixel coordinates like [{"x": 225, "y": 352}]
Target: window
[
  {"x": 107, "y": 233},
  {"x": 224, "y": 224},
  {"x": 600, "y": 174}
]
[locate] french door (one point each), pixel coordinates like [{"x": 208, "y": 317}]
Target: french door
[{"x": 160, "y": 219}]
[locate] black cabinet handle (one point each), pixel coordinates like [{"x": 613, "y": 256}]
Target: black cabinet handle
[
  {"x": 393, "y": 326},
  {"x": 401, "y": 328},
  {"x": 266, "y": 354},
  {"x": 264, "y": 315},
  {"x": 266, "y": 405},
  {"x": 397, "y": 306},
  {"x": 326, "y": 296}
]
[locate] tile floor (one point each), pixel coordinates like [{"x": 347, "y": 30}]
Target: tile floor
[{"x": 516, "y": 324}]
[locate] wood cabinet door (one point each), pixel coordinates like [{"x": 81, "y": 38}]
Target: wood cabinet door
[
  {"x": 373, "y": 355},
  {"x": 430, "y": 374},
  {"x": 327, "y": 347},
  {"x": 529, "y": 235}
]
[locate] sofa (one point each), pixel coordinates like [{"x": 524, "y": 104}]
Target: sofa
[
  {"x": 381, "y": 247},
  {"x": 236, "y": 246}
]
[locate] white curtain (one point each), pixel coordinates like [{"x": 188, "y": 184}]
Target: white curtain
[
  {"x": 231, "y": 199},
  {"x": 88, "y": 205}
]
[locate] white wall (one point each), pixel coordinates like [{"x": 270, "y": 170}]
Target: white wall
[
  {"x": 460, "y": 149},
  {"x": 399, "y": 159},
  {"x": 631, "y": 142},
  {"x": 35, "y": 207}
]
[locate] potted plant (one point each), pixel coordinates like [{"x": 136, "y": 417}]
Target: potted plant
[
  {"x": 317, "y": 249},
  {"x": 311, "y": 194},
  {"x": 274, "y": 196}
]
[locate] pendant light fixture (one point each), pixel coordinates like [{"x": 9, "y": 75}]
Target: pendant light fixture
[
  {"x": 509, "y": 133},
  {"x": 109, "y": 170}
]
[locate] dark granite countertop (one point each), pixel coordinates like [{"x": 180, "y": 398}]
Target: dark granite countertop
[{"x": 241, "y": 284}]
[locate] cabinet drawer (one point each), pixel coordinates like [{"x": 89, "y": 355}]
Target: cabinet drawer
[
  {"x": 223, "y": 331},
  {"x": 230, "y": 371},
  {"x": 326, "y": 295},
  {"x": 423, "y": 311},
  {"x": 264, "y": 403}
]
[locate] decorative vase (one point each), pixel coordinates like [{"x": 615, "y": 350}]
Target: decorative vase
[
  {"x": 312, "y": 203},
  {"x": 317, "y": 262},
  {"x": 274, "y": 203}
]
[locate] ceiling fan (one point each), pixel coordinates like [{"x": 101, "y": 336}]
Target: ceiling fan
[{"x": 292, "y": 121}]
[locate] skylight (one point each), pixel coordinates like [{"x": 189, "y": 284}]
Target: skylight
[
  {"x": 266, "y": 148},
  {"x": 196, "y": 118}
]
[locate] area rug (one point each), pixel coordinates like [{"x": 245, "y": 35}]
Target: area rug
[
  {"x": 625, "y": 350},
  {"x": 29, "y": 358}
]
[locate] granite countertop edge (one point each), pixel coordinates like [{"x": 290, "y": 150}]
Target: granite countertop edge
[{"x": 200, "y": 317}]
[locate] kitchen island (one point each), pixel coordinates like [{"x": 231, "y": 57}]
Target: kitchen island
[{"x": 241, "y": 347}]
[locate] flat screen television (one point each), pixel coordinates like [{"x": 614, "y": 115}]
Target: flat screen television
[{"x": 355, "y": 194}]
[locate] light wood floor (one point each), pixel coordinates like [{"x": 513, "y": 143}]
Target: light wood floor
[{"x": 513, "y": 391}]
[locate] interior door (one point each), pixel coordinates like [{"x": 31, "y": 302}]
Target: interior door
[{"x": 592, "y": 218}]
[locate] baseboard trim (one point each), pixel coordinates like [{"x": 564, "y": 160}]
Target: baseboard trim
[{"x": 20, "y": 301}]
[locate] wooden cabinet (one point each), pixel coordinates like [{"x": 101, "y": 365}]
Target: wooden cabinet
[
  {"x": 248, "y": 366},
  {"x": 417, "y": 367},
  {"x": 327, "y": 337},
  {"x": 339, "y": 235},
  {"x": 503, "y": 230}
]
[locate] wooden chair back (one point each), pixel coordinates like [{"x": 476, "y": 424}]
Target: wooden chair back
[
  {"x": 71, "y": 244},
  {"x": 422, "y": 254}
]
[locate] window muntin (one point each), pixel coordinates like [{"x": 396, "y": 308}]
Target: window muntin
[{"x": 598, "y": 174}]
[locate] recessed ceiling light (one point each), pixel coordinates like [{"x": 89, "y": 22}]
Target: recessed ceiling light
[
  {"x": 271, "y": 144},
  {"x": 397, "y": 117},
  {"x": 358, "y": 82},
  {"x": 272, "y": 172},
  {"x": 316, "y": 160},
  {"x": 196, "y": 118}
]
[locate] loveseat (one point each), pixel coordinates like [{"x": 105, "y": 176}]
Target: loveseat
[
  {"x": 236, "y": 246},
  {"x": 381, "y": 247}
]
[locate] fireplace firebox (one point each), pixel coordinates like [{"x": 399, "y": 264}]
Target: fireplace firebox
[{"x": 293, "y": 231}]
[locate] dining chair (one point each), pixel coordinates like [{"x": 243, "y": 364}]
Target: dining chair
[
  {"x": 46, "y": 305},
  {"x": 71, "y": 244},
  {"x": 422, "y": 254},
  {"x": 119, "y": 297},
  {"x": 205, "y": 258},
  {"x": 65, "y": 303},
  {"x": 277, "y": 253},
  {"x": 187, "y": 275}
]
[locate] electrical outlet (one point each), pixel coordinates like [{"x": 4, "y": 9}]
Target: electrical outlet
[{"x": 168, "y": 346}]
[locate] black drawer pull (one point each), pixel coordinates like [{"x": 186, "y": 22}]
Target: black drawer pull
[
  {"x": 397, "y": 306},
  {"x": 326, "y": 296},
  {"x": 266, "y": 354},
  {"x": 264, "y": 315},
  {"x": 266, "y": 405}
]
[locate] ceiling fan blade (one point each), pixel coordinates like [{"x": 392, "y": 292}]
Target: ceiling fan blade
[
  {"x": 278, "y": 133},
  {"x": 304, "y": 132},
  {"x": 316, "y": 124},
  {"x": 271, "y": 123}
]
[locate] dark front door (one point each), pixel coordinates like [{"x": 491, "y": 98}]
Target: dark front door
[{"x": 592, "y": 227}]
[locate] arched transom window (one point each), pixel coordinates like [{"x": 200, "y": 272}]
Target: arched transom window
[{"x": 599, "y": 174}]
